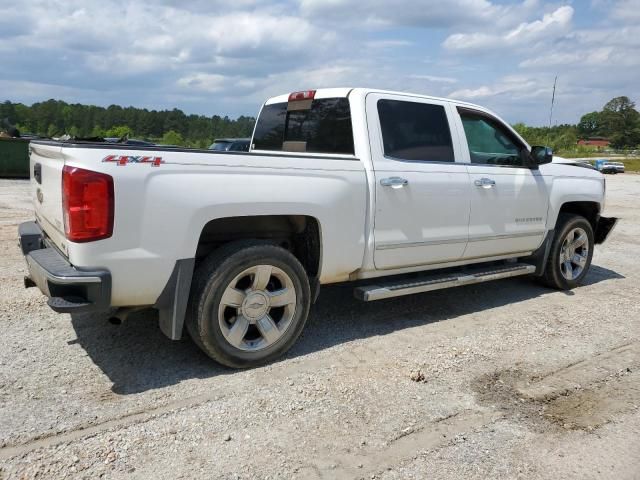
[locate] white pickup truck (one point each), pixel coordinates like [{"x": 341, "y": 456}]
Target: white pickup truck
[{"x": 403, "y": 193}]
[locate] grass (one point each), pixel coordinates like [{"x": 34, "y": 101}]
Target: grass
[
  {"x": 631, "y": 164},
  {"x": 581, "y": 153}
]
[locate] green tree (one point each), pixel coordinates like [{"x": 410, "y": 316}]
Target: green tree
[
  {"x": 96, "y": 131},
  {"x": 590, "y": 124},
  {"x": 172, "y": 138},
  {"x": 57, "y": 117},
  {"x": 119, "y": 132},
  {"x": 621, "y": 122},
  {"x": 8, "y": 114}
]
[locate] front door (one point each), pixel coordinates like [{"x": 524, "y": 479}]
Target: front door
[
  {"x": 422, "y": 190},
  {"x": 509, "y": 199}
]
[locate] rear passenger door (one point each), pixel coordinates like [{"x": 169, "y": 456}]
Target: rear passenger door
[
  {"x": 422, "y": 190},
  {"x": 509, "y": 196}
]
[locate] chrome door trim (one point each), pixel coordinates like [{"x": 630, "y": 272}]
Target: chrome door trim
[
  {"x": 507, "y": 236},
  {"x": 388, "y": 246}
]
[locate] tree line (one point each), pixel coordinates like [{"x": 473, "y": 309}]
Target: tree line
[
  {"x": 618, "y": 121},
  {"x": 55, "y": 118}
]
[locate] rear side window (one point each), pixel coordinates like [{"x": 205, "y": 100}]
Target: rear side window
[
  {"x": 269, "y": 132},
  {"x": 415, "y": 131},
  {"x": 324, "y": 128}
]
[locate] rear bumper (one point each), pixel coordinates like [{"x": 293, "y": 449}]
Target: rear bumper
[
  {"x": 603, "y": 228},
  {"x": 69, "y": 289}
]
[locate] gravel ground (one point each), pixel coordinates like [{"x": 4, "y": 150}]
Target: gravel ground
[{"x": 501, "y": 380}]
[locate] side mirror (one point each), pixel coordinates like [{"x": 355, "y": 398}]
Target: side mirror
[{"x": 542, "y": 155}]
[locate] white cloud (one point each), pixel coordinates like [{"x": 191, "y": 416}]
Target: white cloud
[
  {"x": 608, "y": 57},
  {"x": 240, "y": 33},
  {"x": 434, "y": 78},
  {"x": 112, "y": 26},
  {"x": 425, "y": 13},
  {"x": 207, "y": 82},
  {"x": 551, "y": 25},
  {"x": 213, "y": 56},
  {"x": 387, "y": 44},
  {"x": 516, "y": 87},
  {"x": 593, "y": 65},
  {"x": 626, "y": 11}
]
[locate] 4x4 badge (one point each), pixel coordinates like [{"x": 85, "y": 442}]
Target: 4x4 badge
[{"x": 124, "y": 159}]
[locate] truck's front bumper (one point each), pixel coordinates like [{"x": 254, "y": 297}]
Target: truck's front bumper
[{"x": 69, "y": 289}]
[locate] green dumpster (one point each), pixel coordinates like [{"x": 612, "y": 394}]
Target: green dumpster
[{"x": 14, "y": 157}]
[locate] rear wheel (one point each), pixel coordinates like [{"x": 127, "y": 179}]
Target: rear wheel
[
  {"x": 571, "y": 252},
  {"x": 249, "y": 304}
]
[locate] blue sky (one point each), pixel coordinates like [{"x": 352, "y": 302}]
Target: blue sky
[{"x": 220, "y": 57}]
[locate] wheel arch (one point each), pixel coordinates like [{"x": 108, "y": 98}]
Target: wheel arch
[
  {"x": 590, "y": 210},
  {"x": 300, "y": 234},
  {"x": 587, "y": 209}
]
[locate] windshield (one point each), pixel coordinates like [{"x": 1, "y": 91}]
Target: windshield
[{"x": 220, "y": 146}]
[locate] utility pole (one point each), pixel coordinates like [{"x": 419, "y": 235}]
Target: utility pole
[{"x": 553, "y": 99}]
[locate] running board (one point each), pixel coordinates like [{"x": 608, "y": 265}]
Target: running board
[{"x": 436, "y": 281}]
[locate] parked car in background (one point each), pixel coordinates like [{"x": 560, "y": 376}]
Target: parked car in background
[
  {"x": 231, "y": 145},
  {"x": 607, "y": 166}
]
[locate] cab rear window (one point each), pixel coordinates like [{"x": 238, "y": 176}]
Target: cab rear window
[{"x": 324, "y": 128}]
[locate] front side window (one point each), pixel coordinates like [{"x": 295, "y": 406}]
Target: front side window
[
  {"x": 323, "y": 128},
  {"x": 489, "y": 142},
  {"x": 415, "y": 131}
]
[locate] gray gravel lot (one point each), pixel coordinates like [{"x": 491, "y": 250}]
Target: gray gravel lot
[{"x": 501, "y": 380}]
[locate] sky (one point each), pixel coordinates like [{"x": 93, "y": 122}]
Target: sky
[{"x": 226, "y": 57}]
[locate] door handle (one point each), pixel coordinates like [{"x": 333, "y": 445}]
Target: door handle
[
  {"x": 37, "y": 172},
  {"x": 394, "y": 182},
  {"x": 484, "y": 182}
]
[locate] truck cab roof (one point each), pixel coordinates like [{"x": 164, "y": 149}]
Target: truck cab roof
[{"x": 346, "y": 91}]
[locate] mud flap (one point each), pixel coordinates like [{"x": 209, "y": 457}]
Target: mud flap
[
  {"x": 172, "y": 302},
  {"x": 539, "y": 257},
  {"x": 604, "y": 228}
]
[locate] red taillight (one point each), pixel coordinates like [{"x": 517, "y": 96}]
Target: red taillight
[
  {"x": 87, "y": 202},
  {"x": 306, "y": 95}
]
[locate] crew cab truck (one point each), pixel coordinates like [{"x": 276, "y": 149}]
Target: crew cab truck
[{"x": 402, "y": 193}]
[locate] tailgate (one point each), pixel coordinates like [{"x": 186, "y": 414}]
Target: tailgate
[{"x": 46, "y": 163}]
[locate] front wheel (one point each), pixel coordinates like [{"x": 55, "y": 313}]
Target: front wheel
[
  {"x": 249, "y": 304},
  {"x": 570, "y": 254}
]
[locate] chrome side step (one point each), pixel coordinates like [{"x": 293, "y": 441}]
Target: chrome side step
[{"x": 436, "y": 281}]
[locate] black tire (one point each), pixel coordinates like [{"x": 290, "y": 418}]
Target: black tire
[
  {"x": 215, "y": 274},
  {"x": 553, "y": 276}
]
